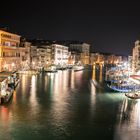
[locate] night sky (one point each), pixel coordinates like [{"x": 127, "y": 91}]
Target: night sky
[{"x": 109, "y": 27}]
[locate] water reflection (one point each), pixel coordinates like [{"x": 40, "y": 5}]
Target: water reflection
[
  {"x": 101, "y": 73},
  {"x": 14, "y": 97},
  {"x": 94, "y": 73},
  {"x": 93, "y": 88},
  {"x": 72, "y": 80},
  {"x": 97, "y": 78},
  {"x": 33, "y": 99},
  {"x": 65, "y": 105},
  {"x": 5, "y": 122},
  {"x": 129, "y": 120},
  {"x": 93, "y": 94}
]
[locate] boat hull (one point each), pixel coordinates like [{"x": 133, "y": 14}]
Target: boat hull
[
  {"x": 115, "y": 88},
  {"x": 6, "y": 98},
  {"x": 132, "y": 95}
]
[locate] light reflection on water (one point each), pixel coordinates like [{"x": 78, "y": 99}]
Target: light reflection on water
[
  {"x": 128, "y": 126},
  {"x": 101, "y": 74},
  {"x": 66, "y": 105}
]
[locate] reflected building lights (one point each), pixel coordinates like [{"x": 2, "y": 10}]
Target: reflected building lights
[
  {"x": 33, "y": 100},
  {"x": 46, "y": 82},
  {"x": 59, "y": 97},
  {"x": 65, "y": 80},
  {"x": 129, "y": 120},
  {"x": 72, "y": 80},
  {"x": 14, "y": 97},
  {"x": 23, "y": 84},
  {"x": 56, "y": 84},
  {"x": 93, "y": 73},
  {"x": 135, "y": 115},
  {"x": 101, "y": 73},
  {"x": 78, "y": 77},
  {"x": 93, "y": 88},
  {"x": 5, "y": 114}
]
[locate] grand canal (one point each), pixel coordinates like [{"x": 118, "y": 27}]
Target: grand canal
[{"x": 67, "y": 106}]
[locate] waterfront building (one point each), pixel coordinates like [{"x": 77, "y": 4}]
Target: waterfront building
[
  {"x": 41, "y": 56},
  {"x": 48, "y": 54},
  {"x": 25, "y": 54},
  {"x": 9, "y": 51},
  {"x": 34, "y": 59},
  {"x": 107, "y": 58},
  {"x": 74, "y": 58},
  {"x": 97, "y": 58},
  {"x": 130, "y": 58},
  {"x": 44, "y": 56},
  {"x": 71, "y": 58},
  {"x": 113, "y": 59},
  {"x": 60, "y": 54},
  {"x": 85, "y": 53},
  {"x": 80, "y": 52},
  {"x": 41, "y": 53},
  {"x": 136, "y": 57}
]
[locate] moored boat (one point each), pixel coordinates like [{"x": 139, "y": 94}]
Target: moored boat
[
  {"x": 133, "y": 95},
  {"x": 121, "y": 88},
  {"x": 50, "y": 69},
  {"x": 123, "y": 85},
  {"x": 78, "y": 68},
  {"x": 30, "y": 72},
  {"x": 8, "y": 94}
]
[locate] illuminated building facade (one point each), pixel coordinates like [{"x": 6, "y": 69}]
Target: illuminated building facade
[
  {"x": 9, "y": 51},
  {"x": 25, "y": 54},
  {"x": 97, "y": 58},
  {"x": 60, "y": 54},
  {"x": 34, "y": 59},
  {"x": 115, "y": 59},
  {"x": 80, "y": 52},
  {"x": 136, "y": 57},
  {"x": 85, "y": 53},
  {"x": 44, "y": 56},
  {"x": 106, "y": 58}
]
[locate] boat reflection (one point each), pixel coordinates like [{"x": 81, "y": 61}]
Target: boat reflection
[{"x": 129, "y": 120}]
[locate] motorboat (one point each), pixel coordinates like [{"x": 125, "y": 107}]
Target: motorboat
[
  {"x": 8, "y": 95},
  {"x": 61, "y": 67},
  {"x": 78, "y": 68},
  {"x": 50, "y": 69},
  {"x": 120, "y": 88},
  {"x": 30, "y": 72},
  {"x": 133, "y": 95},
  {"x": 123, "y": 85},
  {"x": 5, "y": 93}
]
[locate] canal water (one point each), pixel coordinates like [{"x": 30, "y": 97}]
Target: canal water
[{"x": 67, "y": 106}]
